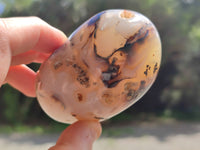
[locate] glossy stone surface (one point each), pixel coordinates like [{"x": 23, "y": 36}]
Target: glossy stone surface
[{"x": 108, "y": 64}]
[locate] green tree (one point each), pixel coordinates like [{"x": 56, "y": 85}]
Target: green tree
[{"x": 176, "y": 88}]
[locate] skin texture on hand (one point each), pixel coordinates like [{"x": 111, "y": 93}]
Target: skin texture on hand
[
  {"x": 29, "y": 39},
  {"x": 25, "y": 40},
  {"x": 78, "y": 136}
]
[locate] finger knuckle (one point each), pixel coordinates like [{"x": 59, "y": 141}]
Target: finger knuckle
[
  {"x": 4, "y": 28},
  {"x": 37, "y": 20},
  {"x": 3, "y": 35}
]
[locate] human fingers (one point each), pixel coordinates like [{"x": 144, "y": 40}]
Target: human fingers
[
  {"x": 22, "y": 78},
  {"x": 79, "y": 136},
  {"x": 5, "y": 55},
  {"x": 28, "y": 57},
  {"x": 21, "y": 34},
  {"x": 31, "y": 33}
]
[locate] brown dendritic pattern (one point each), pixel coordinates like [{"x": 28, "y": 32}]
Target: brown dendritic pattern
[{"x": 107, "y": 64}]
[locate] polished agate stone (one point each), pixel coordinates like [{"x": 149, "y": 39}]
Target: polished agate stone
[{"x": 108, "y": 64}]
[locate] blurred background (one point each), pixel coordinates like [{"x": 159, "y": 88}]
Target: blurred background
[{"x": 174, "y": 95}]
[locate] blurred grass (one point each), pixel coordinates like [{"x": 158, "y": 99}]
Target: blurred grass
[
  {"x": 58, "y": 128},
  {"x": 117, "y": 131},
  {"x": 111, "y": 127},
  {"x": 38, "y": 129},
  {"x": 177, "y": 115}
]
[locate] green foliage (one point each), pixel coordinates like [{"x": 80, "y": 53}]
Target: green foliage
[
  {"x": 122, "y": 117},
  {"x": 10, "y": 98},
  {"x": 38, "y": 129},
  {"x": 16, "y": 106},
  {"x": 177, "y": 86},
  {"x": 117, "y": 131},
  {"x": 19, "y": 5}
]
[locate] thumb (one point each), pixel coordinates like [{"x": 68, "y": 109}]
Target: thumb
[{"x": 79, "y": 136}]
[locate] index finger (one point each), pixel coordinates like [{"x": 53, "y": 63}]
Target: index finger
[{"x": 30, "y": 33}]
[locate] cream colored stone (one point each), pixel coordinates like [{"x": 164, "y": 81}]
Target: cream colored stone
[{"x": 108, "y": 63}]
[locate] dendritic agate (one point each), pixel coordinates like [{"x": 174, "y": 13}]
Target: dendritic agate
[{"x": 108, "y": 64}]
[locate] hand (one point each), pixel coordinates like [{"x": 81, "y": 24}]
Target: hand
[
  {"x": 22, "y": 41},
  {"x": 78, "y": 136},
  {"x": 29, "y": 39}
]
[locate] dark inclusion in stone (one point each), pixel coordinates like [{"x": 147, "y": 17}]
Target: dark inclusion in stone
[
  {"x": 58, "y": 99},
  {"x": 131, "y": 94},
  {"x": 136, "y": 38},
  {"x": 96, "y": 18},
  {"x": 95, "y": 117},
  {"x": 57, "y": 65},
  {"x": 74, "y": 115},
  {"x": 113, "y": 70},
  {"x": 142, "y": 84},
  {"x": 155, "y": 68},
  {"x": 82, "y": 77},
  {"x": 110, "y": 74},
  {"x": 80, "y": 97},
  {"x": 147, "y": 69},
  {"x": 95, "y": 31},
  {"x": 142, "y": 39}
]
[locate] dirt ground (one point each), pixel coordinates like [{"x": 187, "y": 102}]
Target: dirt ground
[{"x": 171, "y": 135}]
